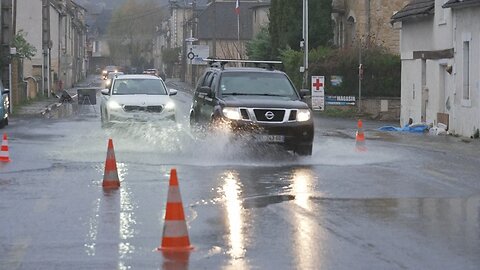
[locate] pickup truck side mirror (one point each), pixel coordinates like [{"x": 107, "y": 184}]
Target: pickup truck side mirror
[
  {"x": 304, "y": 93},
  {"x": 206, "y": 90}
]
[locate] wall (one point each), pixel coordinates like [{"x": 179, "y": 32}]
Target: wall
[
  {"x": 260, "y": 19},
  {"x": 411, "y": 91},
  {"x": 423, "y": 98},
  {"x": 384, "y": 109},
  {"x": 54, "y": 51},
  {"x": 381, "y": 30},
  {"x": 467, "y": 114},
  {"x": 29, "y": 18}
]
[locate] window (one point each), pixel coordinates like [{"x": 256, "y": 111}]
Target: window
[
  {"x": 441, "y": 12},
  {"x": 466, "y": 69}
]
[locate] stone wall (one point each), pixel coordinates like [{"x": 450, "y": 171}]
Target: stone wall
[
  {"x": 381, "y": 31},
  {"x": 384, "y": 109}
]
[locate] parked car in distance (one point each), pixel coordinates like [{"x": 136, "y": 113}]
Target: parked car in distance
[
  {"x": 261, "y": 103},
  {"x": 156, "y": 72},
  {"x": 136, "y": 98},
  {"x": 110, "y": 77},
  {"x": 109, "y": 69},
  {"x": 4, "y": 105}
]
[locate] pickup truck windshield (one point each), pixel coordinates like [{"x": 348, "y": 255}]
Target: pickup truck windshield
[{"x": 256, "y": 83}]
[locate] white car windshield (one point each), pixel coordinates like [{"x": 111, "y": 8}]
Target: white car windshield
[{"x": 138, "y": 87}]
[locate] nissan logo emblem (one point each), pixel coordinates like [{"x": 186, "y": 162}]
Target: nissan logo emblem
[{"x": 269, "y": 115}]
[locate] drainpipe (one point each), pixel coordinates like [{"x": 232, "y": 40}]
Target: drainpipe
[{"x": 368, "y": 16}]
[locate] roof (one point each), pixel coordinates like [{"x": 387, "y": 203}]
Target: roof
[
  {"x": 226, "y": 21},
  {"x": 187, "y": 4},
  {"x": 461, "y": 3},
  {"x": 251, "y": 69},
  {"x": 137, "y": 76},
  {"x": 416, "y": 8}
]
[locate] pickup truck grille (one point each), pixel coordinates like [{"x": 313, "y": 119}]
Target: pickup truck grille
[
  {"x": 266, "y": 115},
  {"x": 274, "y": 115}
]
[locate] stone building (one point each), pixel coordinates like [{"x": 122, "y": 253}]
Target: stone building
[{"x": 368, "y": 21}]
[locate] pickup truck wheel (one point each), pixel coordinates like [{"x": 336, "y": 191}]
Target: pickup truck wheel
[{"x": 304, "y": 150}]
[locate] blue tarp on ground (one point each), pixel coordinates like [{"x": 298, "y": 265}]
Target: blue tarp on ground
[{"x": 413, "y": 128}]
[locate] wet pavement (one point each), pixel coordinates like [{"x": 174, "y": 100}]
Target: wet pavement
[{"x": 409, "y": 202}]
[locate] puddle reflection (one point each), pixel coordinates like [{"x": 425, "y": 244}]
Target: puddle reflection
[
  {"x": 303, "y": 181},
  {"x": 232, "y": 191},
  {"x": 112, "y": 220}
]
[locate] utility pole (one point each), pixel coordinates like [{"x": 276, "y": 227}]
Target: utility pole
[
  {"x": 304, "y": 44},
  {"x": 214, "y": 39},
  {"x": 46, "y": 46},
  {"x": 7, "y": 24},
  {"x": 183, "y": 75},
  {"x": 360, "y": 77}
]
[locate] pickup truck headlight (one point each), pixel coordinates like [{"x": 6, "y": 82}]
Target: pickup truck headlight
[
  {"x": 232, "y": 113},
  {"x": 303, "y": 115}
]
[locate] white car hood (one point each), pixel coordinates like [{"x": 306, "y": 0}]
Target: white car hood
[{"x": 141, "y": 100}]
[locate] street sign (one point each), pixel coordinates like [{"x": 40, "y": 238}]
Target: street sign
[
  {"x": 191, "y": 39},
  {"x": 318, "y": 93},
  {"x": 196, "y": 54}
]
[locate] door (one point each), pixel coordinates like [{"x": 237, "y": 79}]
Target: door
[
  {"x": 424, "y": 92},
  {"x": 210, "y": 101}
]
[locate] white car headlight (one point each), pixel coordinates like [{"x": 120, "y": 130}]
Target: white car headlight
[
  {"x": 232, "y": 113},
  {"x": 113, "y": 105},
  {"x": 170, "y": 106},
  {"x": 303, "y": 115}
]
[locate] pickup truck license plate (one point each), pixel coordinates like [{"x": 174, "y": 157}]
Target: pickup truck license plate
[{"x": 270, "y": 138}]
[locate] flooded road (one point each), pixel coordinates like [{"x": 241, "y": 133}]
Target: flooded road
[{"x": 406, "y": 203}]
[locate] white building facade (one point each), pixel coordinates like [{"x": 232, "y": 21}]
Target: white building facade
[
  {"x": 66, "y": 52},
  {"x": 466, "y": 66},
  {"x": 438, "y": 44}
]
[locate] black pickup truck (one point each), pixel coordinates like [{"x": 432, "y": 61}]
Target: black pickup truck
[{"x": 261, "y": 102}]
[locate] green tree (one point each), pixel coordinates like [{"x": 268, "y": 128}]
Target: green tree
[
  {"x": 259, "y": 47},
  {"x": 170, "y": 56},
  {"x": 286, "y": 20},
  {"x": 131, "y": 31},
  {"x": 24, "y": 49}
]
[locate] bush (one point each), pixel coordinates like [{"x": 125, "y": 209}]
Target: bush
[{"x": 382, "y": 70}]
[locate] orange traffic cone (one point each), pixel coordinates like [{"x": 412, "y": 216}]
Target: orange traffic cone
[
  {"x": 110, "y": 177},
  {"x": 360, "y": 137},
  {"x": 175, "y": 233},
  {"x": 4, "y": 149}
]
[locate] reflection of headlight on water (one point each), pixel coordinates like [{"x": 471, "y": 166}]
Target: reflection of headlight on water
[
  {"x": 303, "y": 115},
  {"x": 108, "y": 82},
  {"x": 232, "y": 113},
  {"x": 113, "y": 105}
]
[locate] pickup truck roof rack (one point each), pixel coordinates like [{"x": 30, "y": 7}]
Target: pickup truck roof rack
[{"x": 257, "y": 63}]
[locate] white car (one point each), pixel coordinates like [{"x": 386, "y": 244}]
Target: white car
[{"x": 137, "y": 98}]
